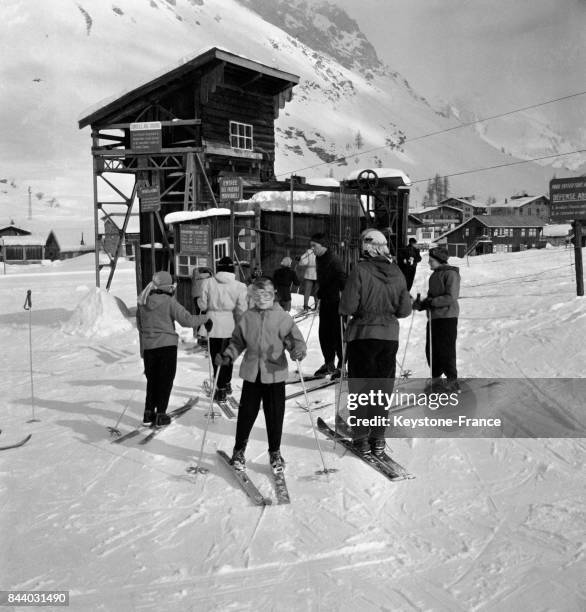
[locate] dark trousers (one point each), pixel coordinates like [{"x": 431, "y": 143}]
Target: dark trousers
[
  {"x": 371, "y": 366},
  {"x": 308, "y": 291},
  {"x": 273, "y": 405},
  {"x": 160, "y": 366},
  {"x": 330, "y": 334},
  {"x": 443, "y": 343},
  {"x": 217, "y": 346}
]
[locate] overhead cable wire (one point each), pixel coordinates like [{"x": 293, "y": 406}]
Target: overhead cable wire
[{"x": 446, "y": 130}]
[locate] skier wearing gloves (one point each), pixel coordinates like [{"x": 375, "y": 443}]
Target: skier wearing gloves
[
  {"x": 375, "y": 296},
  {"x": 224, "y": 299},
  {"x": 156, "y": 314},
  {"x": 263, "y": 333},
  {"x": 442, "y": 324}
]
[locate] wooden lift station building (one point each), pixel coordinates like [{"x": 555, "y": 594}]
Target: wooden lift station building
[{"x": 198, "y": 139}]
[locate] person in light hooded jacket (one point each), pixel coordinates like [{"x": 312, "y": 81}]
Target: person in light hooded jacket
[
  {"x": 263, "y": 333},
  {"x": 375, "y": 296},
  {"x": 225, "y": 300},
  {"x": 156, "y": 313}
]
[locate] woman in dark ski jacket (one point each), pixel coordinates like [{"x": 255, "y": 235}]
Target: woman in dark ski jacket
[
  {"x": 442, "y": 324},
  {"x": 376, "y": 296},
  {"x": 156, "y": 314}
]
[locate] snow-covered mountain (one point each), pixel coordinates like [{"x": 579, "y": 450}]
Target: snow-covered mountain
[{"x": 62, "y": 56}]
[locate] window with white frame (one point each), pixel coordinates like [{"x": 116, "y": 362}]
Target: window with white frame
[
  {"x": 241, "y": 135},
  {"x": 184, "y": 264},
  {"x": 221, "y": 248},
  {"x": 531, "y": 231}
]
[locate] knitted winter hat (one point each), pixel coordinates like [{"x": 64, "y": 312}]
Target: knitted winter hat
[
  {"x": 439, "y": 254},
  {"x": 162, "y": 280},
  {"x": 225, "y": 265},
  {"x": 286, "y": 261},
  {"x": 321, "y": 238}
]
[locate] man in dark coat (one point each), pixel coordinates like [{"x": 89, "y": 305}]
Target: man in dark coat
[
  {"x": 330, "y": 280},
  {"x": 283, "y": 279},
  {"x": 375, "y": 296},
  {"x": 407, "y": 259}
]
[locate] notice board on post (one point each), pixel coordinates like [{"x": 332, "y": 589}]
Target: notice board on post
[
  {"x": 146, "y": 137},
  {"x": 568, "y": 199},
  {"x": 194, "y": 239}
]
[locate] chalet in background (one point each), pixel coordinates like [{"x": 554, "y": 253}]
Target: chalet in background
[
  {"x": 485, "y": 234},
  {"x": 435, "y": 221},
  {"x": 468, "y": 205},
  {"x": 536, "y": 206},
  {"x": 66, "y": 244}
]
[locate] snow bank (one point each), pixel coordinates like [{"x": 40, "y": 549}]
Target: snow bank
[{"x": 98, "y": 315}]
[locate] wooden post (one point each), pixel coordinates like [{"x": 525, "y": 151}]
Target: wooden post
[
  {"x": 232, "y": 240},
  {"x": 291, "y": 218},
  {"x": 153, "y": 264},
  {"x": 578, "y": 257},
  {"x": 95, "y": 142}
]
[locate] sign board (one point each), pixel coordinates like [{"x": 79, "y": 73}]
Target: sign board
[
  {"x": 568, "y": 199},
  {"x": 146, "y": 137},
  {"x": 230, "y": 188},
  {"x": 247, "y": 239},
  {"x": 194, "y": 239},
  {"x": 150, "y": 199}
]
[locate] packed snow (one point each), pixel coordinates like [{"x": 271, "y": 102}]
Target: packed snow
[{"x": 487, "y": 524}]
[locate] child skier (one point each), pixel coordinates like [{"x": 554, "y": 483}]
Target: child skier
[
  {"x": 155, "y": 319},
  {"x": 283, "y": 278},
  {"x": 263, "y": 333},
  {"x": 442, "y": 324}
]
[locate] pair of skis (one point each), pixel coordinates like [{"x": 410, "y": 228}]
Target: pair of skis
[
  {"x": 228, "y": 406},
  {"x": 251, "y": 489},
  {"x": 174, "y": 414}
]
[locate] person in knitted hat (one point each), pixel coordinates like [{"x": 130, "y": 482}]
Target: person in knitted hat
[
  {"x": 443, "y": 309},
  {"x": 225, "y": 300},
  {"x": 283, "y": 279},
  {"x": 330, "y": 280},
  {"x": 156, "y": 314}
]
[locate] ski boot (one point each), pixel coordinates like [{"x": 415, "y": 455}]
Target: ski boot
[
  {"x": 324, "y": 370},
  {"x": 276, "y": 460},
  {"x": 238, "y": 462},
  {"x": 452, "y": 385},
  {"x": 220, "y": 395},
  {"x": 162, "y": 419},
  {"x": 148, "y": 418},
  {"x": 361, "y": 446},
  {"x": 228, "y": 389},
  {"x": 377, "y": 447}
]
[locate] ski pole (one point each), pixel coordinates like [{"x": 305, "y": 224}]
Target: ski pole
[
  {"x": 325, "y": 470},
  {"x": 28, "y": 305},
  {"x": 197, "y": 469},
  {"x": 114, "y": 431},
  {"x": 344, "y": 352},
  {"x": 406, "y": 374},
  {"x": 211, "y": 370},
  {"x": 311, "y": 324}
]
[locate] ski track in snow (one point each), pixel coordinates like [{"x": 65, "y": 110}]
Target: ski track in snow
[{"x": 488, "y": 524}]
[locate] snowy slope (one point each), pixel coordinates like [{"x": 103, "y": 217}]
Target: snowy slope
[
  {"x": 488, "y": 524},
  {"x": 64, "y": 56}
]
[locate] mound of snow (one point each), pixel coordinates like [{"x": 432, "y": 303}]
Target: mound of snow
[{"x": 97, "y": 315}]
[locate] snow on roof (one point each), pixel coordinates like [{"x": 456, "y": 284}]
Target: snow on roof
[
  {"x": 382, "y": 173},
  {"x": 473, "y": 203},
  {"x": 193, "y": 215},
  {"x": 432, "y": 208},
  {"x": 556, "y": 230},
  {"x": 323, "y": 182},
  {"x": 307, "y": 202},
  {"x": 32, "y": 240},
  {"x": 70, "y": 239},
  {"x": 514, "y": 202}
]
